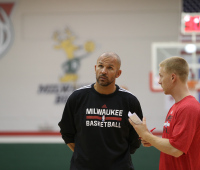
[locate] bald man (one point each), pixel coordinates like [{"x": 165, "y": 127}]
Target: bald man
[{"x": 95, "y": 121}]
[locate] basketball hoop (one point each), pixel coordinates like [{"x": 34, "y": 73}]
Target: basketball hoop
[{"x": 192, "y": 84}]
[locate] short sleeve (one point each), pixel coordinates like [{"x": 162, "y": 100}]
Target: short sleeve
[{"x": 184, "y": 128}]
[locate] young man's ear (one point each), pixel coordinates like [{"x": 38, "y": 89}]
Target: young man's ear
[{"x": 173, "y": 77}]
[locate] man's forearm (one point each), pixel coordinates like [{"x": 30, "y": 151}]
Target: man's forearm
[
  {"x": 71, "y": 146},
  {"x": 162, "y": 144}
]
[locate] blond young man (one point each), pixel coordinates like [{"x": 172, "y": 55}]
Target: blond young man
[{"x": 179, "y": 145}]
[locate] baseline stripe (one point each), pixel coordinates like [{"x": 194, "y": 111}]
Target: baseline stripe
[
  {"x": 7, "y": 133},
  {"x": 36, "y": 137}
]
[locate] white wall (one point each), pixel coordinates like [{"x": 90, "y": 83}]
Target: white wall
[{"x": 126, "y": 27}]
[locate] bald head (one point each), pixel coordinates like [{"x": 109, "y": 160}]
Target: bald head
[
  {"x": 107, "y": 69},
  {"x": 111, "y": 55}
]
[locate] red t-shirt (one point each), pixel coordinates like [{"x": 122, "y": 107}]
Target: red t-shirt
[{"x": 182, "y": 128}]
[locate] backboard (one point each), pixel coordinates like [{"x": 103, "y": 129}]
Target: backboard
[{"x": 189, "y": 51}]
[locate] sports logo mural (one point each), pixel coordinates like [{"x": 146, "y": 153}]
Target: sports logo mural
[
  {"x": 6, "y": 29},
  {"x": 74, "y": 53},
  {"x": 71, "y": 66}
]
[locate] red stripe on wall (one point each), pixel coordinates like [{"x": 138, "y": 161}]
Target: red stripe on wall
[{"x": 47, "y": 133}]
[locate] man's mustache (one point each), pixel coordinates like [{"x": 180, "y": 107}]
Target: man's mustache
[{"x": 103, "y": 76}]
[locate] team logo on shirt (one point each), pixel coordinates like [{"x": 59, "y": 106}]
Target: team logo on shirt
[
  {"x": 167, "y": 123},
  {"x": 104, "y": 106},
  {"x": 103, "y": 117}
]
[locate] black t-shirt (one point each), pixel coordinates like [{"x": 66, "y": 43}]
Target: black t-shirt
[{"x": 98, "y": 125}]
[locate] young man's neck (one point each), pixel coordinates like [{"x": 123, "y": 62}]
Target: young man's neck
[
  {"x": 105, "y": 89},
  {"x": 180, "y": 93}
]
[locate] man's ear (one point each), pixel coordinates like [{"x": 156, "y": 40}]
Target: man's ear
[
  {"x": 119, "y": 72},
  {"x": 95, "y": 67},
  {"x": 173, "y": 77}
]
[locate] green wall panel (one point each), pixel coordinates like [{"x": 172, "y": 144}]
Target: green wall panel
[{"x": 57, "y": 157}]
